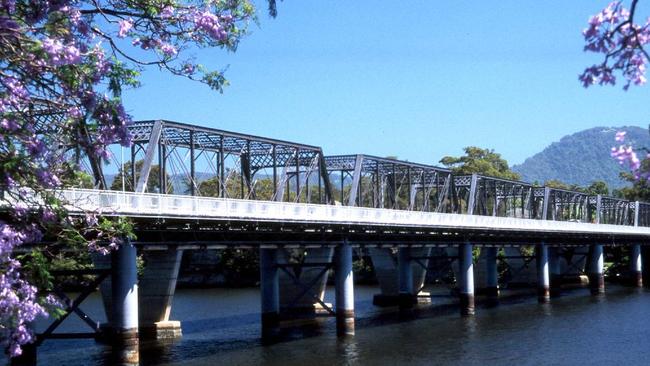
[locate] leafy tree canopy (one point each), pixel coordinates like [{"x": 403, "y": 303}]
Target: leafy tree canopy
[{"x": 480, "y": 161}]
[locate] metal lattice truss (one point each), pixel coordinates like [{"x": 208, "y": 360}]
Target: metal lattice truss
[
  {"x": 562, "y": 205},
  {"x": 614, "y": 210},
  {"x": 480, "y": 195},
  {"x": 201, "y": 161},
  {"x": 210, "y": 162},
  {"x": 641, "y": 213},
  {"x": 370, "y": 181}
]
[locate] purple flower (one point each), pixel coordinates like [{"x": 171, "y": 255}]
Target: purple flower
[
  {"x": 9, "y": 124},
  {"x": 125, "y": 27},
  {"x": 167, "y": 12},
  {"x": 620, "y": 136},
  {"x": 168, "y": 49}
]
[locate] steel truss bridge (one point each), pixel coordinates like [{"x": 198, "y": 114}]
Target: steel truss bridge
[{"x": 188, "y": 187}]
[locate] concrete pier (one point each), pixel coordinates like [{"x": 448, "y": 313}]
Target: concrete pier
[
  {"x": 293, "y": 298},
  {"x": 491, "y": 274},
  {"x": 157, "y": 287},
  {"x": 555, "y": 271},
  {"x": 124, "y": 295},
  {"x": 466, "y": 285},
  {"x": 344, "y": 290},
  {"x": 385, "y": 263},
  {"x": 543, "y": 279},
  {"x": 405, "y": 278},
  {"x": 636, "y": 265},
  {"x": 270, "y": 292},
  {"x": 596, "y": 270}
]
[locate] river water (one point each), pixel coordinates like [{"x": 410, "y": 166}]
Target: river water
[{"x": 221, "y": 327}]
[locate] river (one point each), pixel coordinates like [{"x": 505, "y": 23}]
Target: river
[{"x": 221, "y": 327}]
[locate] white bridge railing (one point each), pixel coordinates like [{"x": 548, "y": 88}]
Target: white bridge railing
[{"x": 116, "y": 203}]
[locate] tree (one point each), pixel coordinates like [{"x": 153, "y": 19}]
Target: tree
[
  {"x": 480, "y": 161},
  {"x": 615, "y": 34},
  {"x": 153, "y": 183},
  {"x": 596, "y": 187},
  {"x": 63, "y": 66},
  {"x": 640, "y": 188}
]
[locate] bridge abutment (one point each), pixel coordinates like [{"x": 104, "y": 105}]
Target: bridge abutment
[
  {"x": 596, "y": 270},
  {"x": 466, "y": 285},
  {"x": 543, "y": 279},
  {"x": 124, "y": 303},
  {"x": 157, "y": 287},
  {"x": 270, "y": 292},
  {"x": 344, "y": 290}
]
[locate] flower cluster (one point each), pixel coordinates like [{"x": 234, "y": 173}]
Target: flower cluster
[
  {"x": 613, "y": 33},
  {"x": 63, "y": 65},
  {"x": 626, "y": 156},
  {"x": 18, "y": 299}
]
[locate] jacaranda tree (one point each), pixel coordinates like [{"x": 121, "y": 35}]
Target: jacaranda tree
[
  {"x": 617, "y": 35},
  {"x": 63, "y": 64}
]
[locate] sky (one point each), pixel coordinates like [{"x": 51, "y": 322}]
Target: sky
[{"x": 416, "y": 79}]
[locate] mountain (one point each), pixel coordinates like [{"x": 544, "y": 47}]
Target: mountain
[{"x": 582, "y": 157}]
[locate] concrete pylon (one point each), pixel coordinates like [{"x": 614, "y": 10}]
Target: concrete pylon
[
  {"x": 636, "y": 265},
  {"x": 344, "y": 290},
  {"x": 466, "y": 285},
  {"x": 596, "y": 270},
  {"x": 157, "y": 287},
  {"x": 269, "y": 292},
  {"x": 543, "y": 278},
  {"x": 124, "y": 295}
]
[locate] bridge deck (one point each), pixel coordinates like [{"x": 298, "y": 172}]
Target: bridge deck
[{"x": 329, "y": 221}]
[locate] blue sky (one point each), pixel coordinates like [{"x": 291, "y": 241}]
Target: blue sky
[{"x": 417, "y": 79}]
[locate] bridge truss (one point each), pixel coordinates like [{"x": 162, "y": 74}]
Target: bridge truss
[
  {"x": 370, "y": 181},
  {"x": 214, "y": 163}
]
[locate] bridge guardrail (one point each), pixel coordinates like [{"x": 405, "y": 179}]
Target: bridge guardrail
[{"x": 157, "y": 205}]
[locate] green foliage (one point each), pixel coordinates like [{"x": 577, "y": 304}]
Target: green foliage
[
  {"x": 594, "y": 188},
  {"x": 153, "y": 183},
  {"x": 480, "y": 161},
  {"x": 639, "y": 189},
  {"x": 262, "y": 188},
  {"x": 83, "y": 180}
]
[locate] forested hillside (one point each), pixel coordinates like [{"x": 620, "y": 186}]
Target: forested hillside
[{"x": 582, "y": 157}]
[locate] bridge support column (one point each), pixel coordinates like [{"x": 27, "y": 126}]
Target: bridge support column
[
  {"x": 543, "y": 280},
  {"x": 157, "y": 287},
  {"x": 466, "y": 264},
  {"x": 124, "y": 295},
  {"x": 492, "y": 275},
  {"x": 636, "y": 266},
  {"x": 344, "y": 290},
  {"x": 555, "y": 271},
  {"x": 596, "y": 273},
  {"x": 270, "y": 292},
  {"x": 405, "y": 277}
]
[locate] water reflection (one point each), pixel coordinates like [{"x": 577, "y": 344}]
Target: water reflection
[{"x": 222, "y": 327}]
